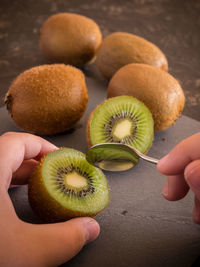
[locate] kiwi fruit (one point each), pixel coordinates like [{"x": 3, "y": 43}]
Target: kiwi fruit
[
  {"x": 70, "y": 38},
  {"x": 119, "y": 49},
  {"x": 64, "y": 185},
  {"x": 122, "y": 119},
  {"x": 156, "y": 88},
  {"x": 47, "y": 99}
]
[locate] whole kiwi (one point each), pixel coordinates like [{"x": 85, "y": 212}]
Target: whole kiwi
[
  {"x": 119, "y": 49},
  {"x": 47, "y": 99},
  {"x": 70, "y": 38},
  {"x": 157, "y": 89}
]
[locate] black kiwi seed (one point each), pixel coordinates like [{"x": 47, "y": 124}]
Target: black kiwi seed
[
  {"x": 116, "y": 118},
  {"x": 66, "y": 170}
]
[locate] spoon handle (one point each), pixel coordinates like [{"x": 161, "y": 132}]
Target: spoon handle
[
  {"x": 149, "y": 159},
  {"x": 145, "y": 157}
]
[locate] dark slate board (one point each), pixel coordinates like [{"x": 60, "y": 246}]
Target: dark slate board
[{"x": 139, "y": 228}]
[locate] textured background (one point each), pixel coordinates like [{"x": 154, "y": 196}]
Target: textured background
[{"x": 139, "y": 228}]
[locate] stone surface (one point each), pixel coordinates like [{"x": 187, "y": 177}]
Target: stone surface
[{"x": 139, "y": 227}]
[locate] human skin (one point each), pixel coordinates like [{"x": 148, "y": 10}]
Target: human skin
[
  {"x": 182, "y": 168},
  {"x": 23, "y": 244}
]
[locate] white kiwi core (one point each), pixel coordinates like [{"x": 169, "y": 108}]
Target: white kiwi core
[
  {"x": 123, "y": 129},
  {"x": 74, "y": 179}
]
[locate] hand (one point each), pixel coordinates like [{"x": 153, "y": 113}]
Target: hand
[
  {"x": 182, "y": 166},
  {"x": 23, "y": 244}
]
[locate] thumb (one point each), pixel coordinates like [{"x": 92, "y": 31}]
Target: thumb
[{"x": 58, "y": 243}]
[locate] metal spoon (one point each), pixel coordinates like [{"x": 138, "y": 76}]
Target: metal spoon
[{"x": 115, "y": 156}]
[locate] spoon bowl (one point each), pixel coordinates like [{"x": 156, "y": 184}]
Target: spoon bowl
[{"x": 115, "y": 156}]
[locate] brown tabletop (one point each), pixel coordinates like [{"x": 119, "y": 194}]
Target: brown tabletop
[{"x": 174, "y": 26}]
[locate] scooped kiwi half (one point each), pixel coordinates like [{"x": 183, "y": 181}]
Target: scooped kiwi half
[
  {"x": 64, "y": 185},
  {"x": 122, "y": 119}
]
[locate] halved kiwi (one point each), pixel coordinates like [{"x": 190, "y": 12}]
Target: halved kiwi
[
  {"x": 64, "y": 185},
  {"x": 122, "y": 119}
]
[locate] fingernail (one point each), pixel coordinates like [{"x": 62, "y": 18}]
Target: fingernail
[
  {"x": 93, "y": 229},
  {"x": 54, "y": 148},
  {"x": 165, "y": 190}
]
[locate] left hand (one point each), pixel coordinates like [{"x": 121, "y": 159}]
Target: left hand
[{"x": 23, "y": 244}]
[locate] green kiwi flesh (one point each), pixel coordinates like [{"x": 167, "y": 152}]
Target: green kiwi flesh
[
  {"x": 122, "y": 119},
  {"x": 64, "y": 185}
]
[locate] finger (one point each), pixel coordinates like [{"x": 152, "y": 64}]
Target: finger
[
  {"x": 192, "y": 176},
  {"x": 21, "y": 146},
  {"x": 176, "y": 188},
  {"x": 179, "y": 157},
  {"x": 22, "y": 174},
  {"x": 57, "y": 243},
  {"x": 196, "y": 210}
]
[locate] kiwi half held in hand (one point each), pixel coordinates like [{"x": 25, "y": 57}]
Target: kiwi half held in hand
[
  {"x": 70, "y": 38},
  {"x": 120, "y": 48},
  {"x": 47, "y": 99},
  {"x": 156, "y": 88},
  {"x": 64, "y": 185},
  {"x": 122, "y": 119}
]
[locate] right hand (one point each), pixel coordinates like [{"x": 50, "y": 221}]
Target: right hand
[{"x": 182, "y": 166}]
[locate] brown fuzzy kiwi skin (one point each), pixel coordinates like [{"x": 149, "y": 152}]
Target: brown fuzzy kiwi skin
[
  {"x": 89, "y": 141},
  {"x": 70, "y": 38},
  {"x": 157, "y": 89},
  {"x": 47, "y": 99},
  {"x": 119, "y": 49},
  {"x": 48, "y": 209}
]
